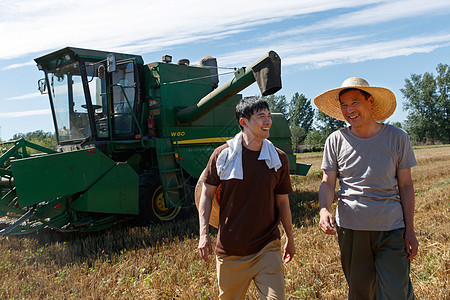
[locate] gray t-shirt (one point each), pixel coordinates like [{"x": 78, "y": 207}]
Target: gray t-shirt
[{"x": 367, "y": 171}]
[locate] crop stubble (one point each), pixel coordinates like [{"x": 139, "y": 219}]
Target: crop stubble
[{"x": 161, "y": 262}]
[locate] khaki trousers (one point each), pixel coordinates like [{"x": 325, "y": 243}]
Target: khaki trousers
[{"x": 265, "y": 268}]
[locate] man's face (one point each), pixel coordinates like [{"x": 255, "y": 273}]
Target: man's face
[
  {"x": 258, "y": 125},
  {"x": 357, "y": 110}
]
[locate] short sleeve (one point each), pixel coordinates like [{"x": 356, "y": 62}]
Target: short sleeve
[
  {"x": 284, "y": 185},
  {"x": 329, "y": 160},
  {"x": 406, "y": 157},
  {"x": 210, "y": 175}
]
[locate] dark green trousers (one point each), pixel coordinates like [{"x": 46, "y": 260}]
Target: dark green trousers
[{"x": 375, "y": 264}]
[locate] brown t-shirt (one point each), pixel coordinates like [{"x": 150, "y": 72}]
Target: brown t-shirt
[{"x": 248, "y": 218}]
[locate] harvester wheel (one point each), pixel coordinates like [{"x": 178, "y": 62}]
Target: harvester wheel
[{"x": 152, "y": 207}]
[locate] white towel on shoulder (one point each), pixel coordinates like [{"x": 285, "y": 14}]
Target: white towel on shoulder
[{"x": 229, "y": 161}]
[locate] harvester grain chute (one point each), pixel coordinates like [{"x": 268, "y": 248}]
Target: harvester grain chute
[{"x": 133, "y": 138}]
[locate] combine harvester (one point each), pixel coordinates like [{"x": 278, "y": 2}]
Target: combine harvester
[{"x": 133, "y": 138}]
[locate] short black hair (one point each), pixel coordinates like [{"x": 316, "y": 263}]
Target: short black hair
[
  {"x": 365, "y": 94},
  {"x": 248, "y": 106}
]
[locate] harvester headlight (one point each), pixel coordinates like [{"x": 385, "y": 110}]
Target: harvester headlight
[{"x": 167, "y": 58}]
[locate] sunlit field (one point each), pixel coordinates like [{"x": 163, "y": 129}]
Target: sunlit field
[{"x": 161, "y": 262}]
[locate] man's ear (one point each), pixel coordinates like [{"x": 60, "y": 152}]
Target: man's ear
[
  {"x": 371, "y": 101},
  {"x": 243, "y": 122}
]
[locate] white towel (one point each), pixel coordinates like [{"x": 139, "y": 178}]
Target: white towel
[{"x": 229, "y": 161}]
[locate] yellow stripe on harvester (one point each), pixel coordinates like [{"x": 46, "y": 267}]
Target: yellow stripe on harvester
[{"x": 204, "y": 141}]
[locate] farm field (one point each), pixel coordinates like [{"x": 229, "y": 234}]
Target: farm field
[{"x": 161, "y": 262}]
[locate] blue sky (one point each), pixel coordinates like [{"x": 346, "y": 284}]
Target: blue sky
[{"x": 321, "y": 42}]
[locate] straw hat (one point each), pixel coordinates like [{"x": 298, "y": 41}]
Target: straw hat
[
  {"x": 214, "y": 217},
  {"x": 383, "y": 105}
]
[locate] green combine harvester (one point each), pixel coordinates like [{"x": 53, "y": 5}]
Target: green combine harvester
[{"x": 133, "y": 138}]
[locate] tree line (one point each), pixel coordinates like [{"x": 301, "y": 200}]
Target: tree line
[
  {"x": 426, "y": 99},
  {"x": 39, "y": 137}
]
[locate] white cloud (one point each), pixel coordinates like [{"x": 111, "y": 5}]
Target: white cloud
[
  {"x": 350, "y": 49},
  {"x": 27, "y": 113},
  {"x": 374, "y": 14},
  {"x": 20, "y": 65},
  {"x": 26, "y": 96},
  {"x": 51, "y": 24},
  {"x": 139, "y": 26},
  {"x": 352, "y": 53},
  {"x": 284, "y": 49}
]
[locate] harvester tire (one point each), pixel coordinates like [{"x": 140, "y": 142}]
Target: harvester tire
[{"x": 152, "y": 208}]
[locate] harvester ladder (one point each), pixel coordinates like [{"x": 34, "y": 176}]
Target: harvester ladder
[
  {"x": 180, "y": 163},
  {"x": 169, "y": 170}
]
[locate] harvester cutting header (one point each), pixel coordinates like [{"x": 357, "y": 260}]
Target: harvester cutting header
[{"x": 133, "y": 138}]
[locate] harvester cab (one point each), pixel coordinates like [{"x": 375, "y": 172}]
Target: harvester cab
[
  {"x": 133, "y": 139},
  {"x": 94, "y": 96}
]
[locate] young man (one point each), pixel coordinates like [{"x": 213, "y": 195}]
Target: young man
[
  {"x": 375, "y": 212},
  {"x": 255, "y": 183}
]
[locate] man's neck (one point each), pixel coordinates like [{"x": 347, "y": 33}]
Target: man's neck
[
  {"x": 366, "y": 131},
  {"x": 251, "y": 143}
]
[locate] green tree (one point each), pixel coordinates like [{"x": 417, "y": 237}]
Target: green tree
[
  {"x": 428, "y": 106},
  {"x": 3, "y": 147},
  {"x": 277, "y": 104},
  {"x": 327, "y": 124},
  {"x": 301, "y": 117},
  {"x": 443, "y": 86},
  {"x": 301, "y": 112},
  {"x": 315, "y": 138},
  {"x": 39, "y": 137},
  {"x": 298, "y": 135}
]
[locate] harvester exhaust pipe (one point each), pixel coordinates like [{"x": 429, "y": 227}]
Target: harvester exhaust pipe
[{"x": 266, "y": 71}]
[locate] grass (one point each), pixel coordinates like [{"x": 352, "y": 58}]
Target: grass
[{"x": 161, "y": 262}]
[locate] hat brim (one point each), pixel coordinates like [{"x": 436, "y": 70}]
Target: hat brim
[
  {"x": 214, "y": 216},
  {"x": 384, "y": 103}
]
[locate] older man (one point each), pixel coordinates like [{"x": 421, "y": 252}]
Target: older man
[{"x": 375, "y": 211}]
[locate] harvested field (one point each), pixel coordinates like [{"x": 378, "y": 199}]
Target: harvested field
[{"x": 161, "y": 262}]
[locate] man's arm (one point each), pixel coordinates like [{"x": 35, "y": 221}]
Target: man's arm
[
  {"x": 282, "y": 201},
  {"x": 204, "y": 212},
  {"x": 406, "y": 190},
  {"x": 326, "y": 196}
]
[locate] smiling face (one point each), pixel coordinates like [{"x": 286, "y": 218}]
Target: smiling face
[
  {"x": 356, "y": 109},
  {"x": 258, "y": 125}
]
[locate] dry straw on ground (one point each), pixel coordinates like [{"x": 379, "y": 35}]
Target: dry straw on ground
[{"x": 161, "y": 262}]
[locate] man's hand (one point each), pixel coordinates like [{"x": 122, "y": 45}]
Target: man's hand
[
  {"x": 327, "y": 222},
  {"x": 326, "y": 195},
  {"x": 411, "y": 243},
  {"x": 204, "y": 212},
  {"x": 204, "y": 247},
  {"x": 406, "y": 190},
  {"x": 289, "y": 250},
  {"x": 282, "y": 202}
]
